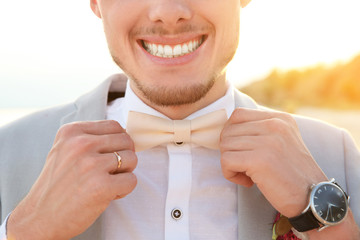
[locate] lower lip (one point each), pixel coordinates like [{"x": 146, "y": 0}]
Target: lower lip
[{"x": 182, "y": 60}]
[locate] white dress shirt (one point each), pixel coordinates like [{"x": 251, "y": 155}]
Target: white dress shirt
[
  {"x": 186, "y": 178},
  {"x": 181, "y": 192}
]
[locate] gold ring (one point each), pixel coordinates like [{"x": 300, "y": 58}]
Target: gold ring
[{"x": 118, "y": 158}]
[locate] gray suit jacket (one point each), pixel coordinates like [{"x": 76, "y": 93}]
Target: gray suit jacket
[{"x": 25, "y": 144}]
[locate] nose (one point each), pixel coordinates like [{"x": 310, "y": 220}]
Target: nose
[{"x": 170, "y": 12}]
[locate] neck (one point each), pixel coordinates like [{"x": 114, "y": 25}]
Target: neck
[{"x": 179, "y": 112}]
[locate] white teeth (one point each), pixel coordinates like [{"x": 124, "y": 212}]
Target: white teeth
[
  {"x": 190, "y": 46},
  {"x": 160, "y": 50},
  {"x": 154, "y": 48},
  {"x": 185, "y": 48},
  {"x": 177, "y": 50},
  {"x": 167, "y": 51}
]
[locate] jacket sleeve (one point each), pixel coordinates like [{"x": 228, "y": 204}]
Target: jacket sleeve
[{"x": 352, "y": 173}]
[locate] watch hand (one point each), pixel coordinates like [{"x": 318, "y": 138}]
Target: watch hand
[
  {"x": 327, "y": 213},
  {"x": 331, "y": 214}
]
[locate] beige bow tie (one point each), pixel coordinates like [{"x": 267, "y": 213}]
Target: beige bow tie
[{"x": 148, "y": 131}]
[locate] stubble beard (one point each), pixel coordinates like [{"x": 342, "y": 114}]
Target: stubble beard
[
  {"x": 175, "y": 96},
  {"x": 165, "y": 96}
]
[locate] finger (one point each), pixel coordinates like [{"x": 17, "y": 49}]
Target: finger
[
  {"x": 114, "y": 142},
  {"x": 93, "y": 128},
  {"x": 102, "y": 127},
  {"x": 237, "y": 161},
  {"x": 240, "y": 179},
  {"x": 254, "y": 128},
  {"x": 241, "y": 115},
  {"x": 128, "y": 162},
  {"x": 94, "y": 144},
  {"x": 241, "y": 143},
  {"x": 122, "y": 184},
  {"x": 235, "y": 169}
]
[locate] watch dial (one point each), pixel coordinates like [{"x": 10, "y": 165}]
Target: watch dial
[{"x": 330, "y": 203}]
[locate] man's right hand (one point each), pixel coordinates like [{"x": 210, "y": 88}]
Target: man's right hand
[{"x": 79, "y": 180}]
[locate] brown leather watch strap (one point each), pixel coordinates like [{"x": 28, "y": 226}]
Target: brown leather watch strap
[{"x": 304, "y": 222}]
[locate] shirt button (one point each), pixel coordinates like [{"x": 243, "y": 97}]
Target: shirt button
[{"x": 176, "y": 214}]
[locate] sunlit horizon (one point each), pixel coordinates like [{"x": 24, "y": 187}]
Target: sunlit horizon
[{"x": 47, "y": 47}]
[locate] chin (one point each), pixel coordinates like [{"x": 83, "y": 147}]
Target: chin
[{"x": 173, "y": 92}]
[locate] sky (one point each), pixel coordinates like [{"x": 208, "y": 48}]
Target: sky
[{"x": 52, "y": 52}]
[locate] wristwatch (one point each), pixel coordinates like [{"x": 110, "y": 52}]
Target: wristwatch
[{"x": 328, "y": 206}]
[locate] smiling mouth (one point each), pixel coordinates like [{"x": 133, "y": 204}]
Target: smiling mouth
[{"x": 173, "y": 51}]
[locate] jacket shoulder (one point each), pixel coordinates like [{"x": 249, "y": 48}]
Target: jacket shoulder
[{"x": 35, "y": 125}]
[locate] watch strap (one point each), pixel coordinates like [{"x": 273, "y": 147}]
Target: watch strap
[{"x": 305, "y": 221}]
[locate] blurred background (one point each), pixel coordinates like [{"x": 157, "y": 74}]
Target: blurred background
[{"x": 298, "y": 56}]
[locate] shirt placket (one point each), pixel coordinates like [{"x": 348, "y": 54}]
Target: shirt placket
[{"x": 178, "y": 194}]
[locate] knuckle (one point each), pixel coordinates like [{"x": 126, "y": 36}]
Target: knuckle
[
  {"x": 125, "y": 137},
  {"x": 227, "y": 174},
  {"x": 276, "y": 125},
  {"x": 236, "y": 115},
  {"x": 226, "y": 160},
  {"x": 288, "y": 117},
  {"x": 135, "y": 160},
  {"x": 225, "y": 133},
  {"x": 68, "y": 129},
  {"x": 130, "y": 160},
  {"x": 83, "y": 143},
  {"x": 222, "y": 134},
  {"x": 132, "y": 181},
  {"x": 224, "y": 144},
  {"x": 127, "y": 141},
  {"x": 113, "y": 124},
  {"x": 129, "y": 184}
]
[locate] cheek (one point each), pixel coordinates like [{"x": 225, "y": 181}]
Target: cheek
[
  {"x": 118, "y": 25},
  {"x": 227, "y": 34},
  {"x": 230, "y": 21},
  {"x": 225, "y": 17}
]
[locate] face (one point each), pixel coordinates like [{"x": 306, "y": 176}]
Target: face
[{"x": 175, "y": 52}]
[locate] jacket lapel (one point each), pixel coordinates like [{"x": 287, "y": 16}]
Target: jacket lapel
[
  {"x": 92, "y": 106},
  {"x": 255, "y": 213}
]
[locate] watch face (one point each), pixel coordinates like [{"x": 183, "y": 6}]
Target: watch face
[{"x": 329, "y": 203}]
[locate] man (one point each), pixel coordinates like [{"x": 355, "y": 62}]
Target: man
[{"x": 64, "y": 175}]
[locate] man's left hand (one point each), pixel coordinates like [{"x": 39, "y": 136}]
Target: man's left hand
[{"x": 266, "y": 148}]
